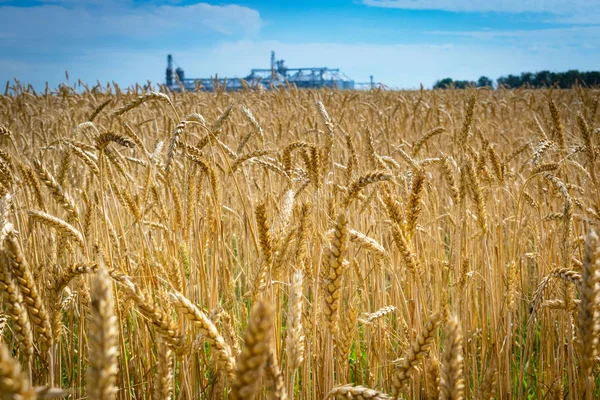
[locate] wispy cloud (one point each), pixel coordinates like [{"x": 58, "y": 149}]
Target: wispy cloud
[
  {"x": 574, "y": 11},
  {"x": 550, "y": 38}
]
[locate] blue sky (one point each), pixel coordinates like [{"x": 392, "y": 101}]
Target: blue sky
[{"x": 401, "y": 42}]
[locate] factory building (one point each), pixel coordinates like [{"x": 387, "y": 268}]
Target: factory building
[{"x": 278, "y": 75}]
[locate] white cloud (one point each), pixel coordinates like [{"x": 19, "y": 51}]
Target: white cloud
[
  {"x": 576, "y": 11},
  {"x": 68, "y": 21}
]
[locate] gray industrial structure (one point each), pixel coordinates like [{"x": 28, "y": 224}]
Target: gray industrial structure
[{"x": 276, "y": 76}]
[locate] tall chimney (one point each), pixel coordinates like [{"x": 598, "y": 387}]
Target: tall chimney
[{"x": 169, "y": 70}]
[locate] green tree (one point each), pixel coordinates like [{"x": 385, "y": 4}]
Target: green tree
[
  {"x": 484, "y": 81},
  {"x": 527, "y": 78},
  {"x": 464, "y": 84},
  {"x": 543, "y": 79},
  {"x": 444, "y": 83}
]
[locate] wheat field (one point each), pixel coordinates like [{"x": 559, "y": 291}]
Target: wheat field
[{"x": 294, "y": 244}]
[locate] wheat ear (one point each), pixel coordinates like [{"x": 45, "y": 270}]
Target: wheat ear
[
  {"x": 164, "y": 373},
  {"x": 335, "y": 266},
  {"x": 56, "y": 190},
  {"x": 452, "y": 383},
  {"x": 58, "y": 224},
  {"x": 356, "y": 392},
  {"x": 164, "y": 323},
  {"x": 538, "y": 295},
  {"x": 103, "y": 340},
  {"x": 294, "y": 342},
  {"x": 418, "y": 350},
  {"x": 363, "y": 181},
  {"x": 406, "y": 250},
  {"x": 253, "y": 358},
  {"x": 22, "y": 274},
  {"x": 423, "y": 139},
  {"x": 207, "y": 329},
  {"x": 587, "y": 317},
  {"x": 13, "y": 383},
  {"x": 413, "y": 205},
  {"x": 105, "y": 139},
  {"x": 559, "y": 130},
  {"x": 14, "y": 305},
  {"x": 275, "y": 375},
  {"x": 141, "y": 100}
]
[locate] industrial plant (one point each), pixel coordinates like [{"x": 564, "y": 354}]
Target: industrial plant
[{"x": 279, "y": 75}]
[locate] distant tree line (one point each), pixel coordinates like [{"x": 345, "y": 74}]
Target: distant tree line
[{"x": 539, "y": 79}]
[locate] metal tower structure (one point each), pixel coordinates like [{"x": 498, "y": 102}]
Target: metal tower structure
[{"x": 278, "y": 75}]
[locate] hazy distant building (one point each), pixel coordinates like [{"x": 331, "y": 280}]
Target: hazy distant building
[{"x": 278, "y": 75}]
